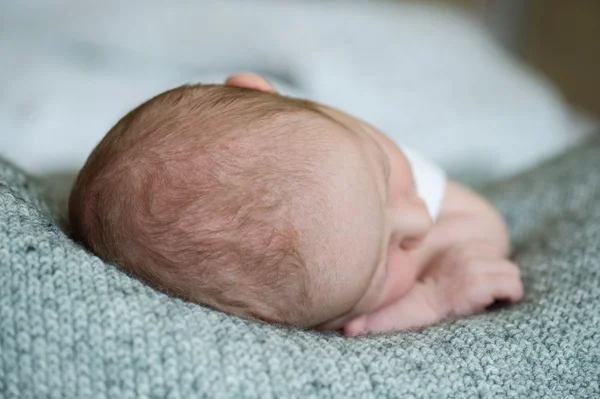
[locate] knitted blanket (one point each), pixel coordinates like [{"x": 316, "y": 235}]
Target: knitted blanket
[{"x": 74, "y": 327}]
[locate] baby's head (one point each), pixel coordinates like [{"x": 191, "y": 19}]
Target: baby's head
[{"x": 255, "y": 204}]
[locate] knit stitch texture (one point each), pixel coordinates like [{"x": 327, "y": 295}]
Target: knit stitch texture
[{"x": 72, "y": 326}]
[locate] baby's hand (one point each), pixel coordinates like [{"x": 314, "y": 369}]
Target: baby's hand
[
  {"x": 464, "y": 273},
  {"x": 463, "y": 281},
  {"x": 467, "y": 280}
]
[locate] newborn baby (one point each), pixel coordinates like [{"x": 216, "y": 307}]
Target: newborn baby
[{"x": 287, "y": 211}]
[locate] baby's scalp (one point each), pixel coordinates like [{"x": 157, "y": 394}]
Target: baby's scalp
[{"x": 210, "y": 193}]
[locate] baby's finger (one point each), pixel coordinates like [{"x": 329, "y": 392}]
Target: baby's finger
[
  {"x": 504, "y": 278},
  {"x": 414, "y": 310},
  {"x": 502, "y": 287},
  {"x": 509, "y": 268},
  {"x": 356, "y": 326},
  {"x": 511, "y": 290},
  {"x": 485, "y": 290},
  {"x": 496, "y": 267}
]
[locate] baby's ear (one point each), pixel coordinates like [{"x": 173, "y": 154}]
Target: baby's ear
[{"x": 250, "y": 81}]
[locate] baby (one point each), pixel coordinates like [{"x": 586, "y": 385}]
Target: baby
[{"x": 287, "y": 211}]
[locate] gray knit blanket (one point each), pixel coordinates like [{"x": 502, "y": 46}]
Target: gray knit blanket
[{"x": 72, "y": 326}]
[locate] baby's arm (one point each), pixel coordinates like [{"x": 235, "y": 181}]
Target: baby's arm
[
  {"x": 466, "y": 257},
  {"x": 465, "y": 268}
]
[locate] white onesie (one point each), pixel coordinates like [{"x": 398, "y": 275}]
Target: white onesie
[{"x": 429, "y": 179}]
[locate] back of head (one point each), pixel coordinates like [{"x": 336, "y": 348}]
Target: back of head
[{"x": 197, "y": 192}]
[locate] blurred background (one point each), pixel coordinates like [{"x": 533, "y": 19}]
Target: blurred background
[
  {"x": 559, "y": 38},
  {"x": 486, "y": 88}
]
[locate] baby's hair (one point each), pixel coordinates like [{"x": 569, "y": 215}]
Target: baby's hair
[{"x": 195, "y": 192}]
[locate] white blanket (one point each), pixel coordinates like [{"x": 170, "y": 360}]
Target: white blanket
[{"x": 427, "y": 76}]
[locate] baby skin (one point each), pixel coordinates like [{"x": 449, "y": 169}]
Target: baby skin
[
  {"x": 428, "y": 271},
  {"x": 387, "y": 260}
]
